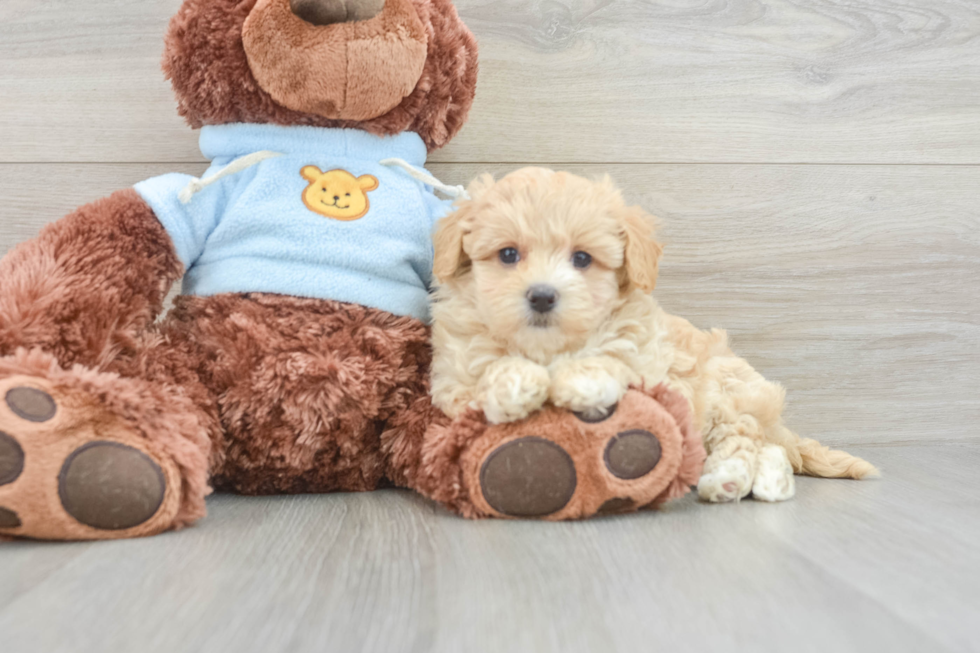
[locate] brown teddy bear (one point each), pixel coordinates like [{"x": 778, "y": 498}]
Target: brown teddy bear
[{"x": 296, "y": 359}]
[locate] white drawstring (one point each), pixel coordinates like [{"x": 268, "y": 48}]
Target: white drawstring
[
  {"x": 236, "y": 166},
  {"x": 455, "y": 192},
  {"x": 247, "y": 161}
]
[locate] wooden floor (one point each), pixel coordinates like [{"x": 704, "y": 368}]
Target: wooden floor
[
  {"x": 847, "y": 566},
  {"x": 816, "y": 168}
]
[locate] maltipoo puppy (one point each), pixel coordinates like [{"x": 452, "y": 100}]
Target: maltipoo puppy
[{"x": 544, "y": 295}]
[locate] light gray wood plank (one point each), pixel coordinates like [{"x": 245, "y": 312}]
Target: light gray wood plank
[
  {"x": 893, "y": 540},
  {"x": 572, "y": 81},
  {"x": 34, "y": 563},
  {"x": 841, "y": 568},
  {"x": 855, "y": 286}
]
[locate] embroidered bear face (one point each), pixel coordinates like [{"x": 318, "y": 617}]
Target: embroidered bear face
[{"x": 338, "y": 194}]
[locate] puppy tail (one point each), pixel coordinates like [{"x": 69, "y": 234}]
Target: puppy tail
[{"x": 817, "y": 460}]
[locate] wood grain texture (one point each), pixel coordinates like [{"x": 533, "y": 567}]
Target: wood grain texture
[
  {"x": 869, "y": 81},
  {"x": 854, "y": 286},
  {"x": 849, "y": 566}
]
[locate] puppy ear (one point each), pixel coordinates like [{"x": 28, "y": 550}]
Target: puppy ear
[
  {"x": 480, "y": 185},
  {"x": 450, "y": 258},
  {"x": 642, "y": 250},
  {"x": 448, "y": 243}
]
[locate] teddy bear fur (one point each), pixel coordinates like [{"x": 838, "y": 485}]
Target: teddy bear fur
[
  {"x": 247, "y": 392},
  {"x": 214, "y": 84},
  {"x": 293, "y": 394}
]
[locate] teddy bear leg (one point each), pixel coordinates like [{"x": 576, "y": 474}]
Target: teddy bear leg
[
  {"x": 88, "y": 455},
  {"x": 557, "y": 465},
  {"x": 89, "y": 450}
]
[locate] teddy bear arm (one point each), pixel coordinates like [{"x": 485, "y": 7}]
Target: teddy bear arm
[{"x": 89, "y": 282}]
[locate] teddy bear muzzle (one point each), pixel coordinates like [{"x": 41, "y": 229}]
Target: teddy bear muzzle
[{"x": 323, "y": 57}]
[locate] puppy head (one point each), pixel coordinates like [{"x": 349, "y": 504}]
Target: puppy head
[{"x": 545, "y": 257}]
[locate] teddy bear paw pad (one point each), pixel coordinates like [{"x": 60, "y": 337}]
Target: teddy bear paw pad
[
  {"x": 617, "y": 506},
  {"x": 597, "y": 415},
  {"x": 632, "y": 454},
  {"x": 11, "y": 459},
  {"x": 9, "y": 519},
  {"x": 111, "y": 486},
  {"x": 31, "y": 404},
  {"x": 528, "y": 477},
  {"x": 71, "y": 469}
]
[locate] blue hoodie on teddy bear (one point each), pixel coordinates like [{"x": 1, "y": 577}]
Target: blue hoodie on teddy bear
[{"x": 314, "y": 214}]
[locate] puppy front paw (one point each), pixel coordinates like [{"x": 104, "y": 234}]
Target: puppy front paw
[
  {"x": 512, "y": 389},
  {"x": 587, "y": 387}
]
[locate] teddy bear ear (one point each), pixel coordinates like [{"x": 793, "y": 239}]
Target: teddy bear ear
[
  {"x": 311, "y": 173},
  {"x": 367, "y": 183}
]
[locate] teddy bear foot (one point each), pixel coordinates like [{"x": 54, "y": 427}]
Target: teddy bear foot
[
  {"x": 71, "y": 469},
  {"x": 556, "y": 465}
]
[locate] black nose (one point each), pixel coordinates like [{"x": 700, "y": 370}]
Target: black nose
[
  {"x": 329, "y": 12},
  {"x": 542, "y": 298}
]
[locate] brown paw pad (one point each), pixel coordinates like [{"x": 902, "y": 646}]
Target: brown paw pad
[
  {"x": 9, "y": 519},
  {"x": 598, "y": 417},
  {"x": 31, "y": 404},
  {"x": 111, "y": 486},
  {"x": 617, "y": 506},
  {"x": 528, "y": 477},
  {"x": 632, "y": 454},
  {"x": 11, "y": 459}
]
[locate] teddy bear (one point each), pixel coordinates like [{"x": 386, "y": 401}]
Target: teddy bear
[{"x": 296, "y": 358}]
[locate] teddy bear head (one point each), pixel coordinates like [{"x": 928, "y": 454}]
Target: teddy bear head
[{"x": 382, "y": 66}]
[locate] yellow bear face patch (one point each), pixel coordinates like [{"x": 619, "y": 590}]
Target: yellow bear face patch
[{"x": 337, "y": 194}]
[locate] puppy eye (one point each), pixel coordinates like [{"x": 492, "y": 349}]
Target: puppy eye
[
  {"x": 509, "y": 256},
  {"x": 581, "y": 260}
]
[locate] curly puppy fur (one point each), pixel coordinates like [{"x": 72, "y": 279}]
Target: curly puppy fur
[{"x": 598, "y": 258}]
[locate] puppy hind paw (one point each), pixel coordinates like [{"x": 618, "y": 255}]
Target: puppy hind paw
[
  {"x": 730, "y": 480},
  {"x": 774, "y": 480}
]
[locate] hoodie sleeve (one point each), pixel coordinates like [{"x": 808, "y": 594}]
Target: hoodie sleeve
[{"x": 188, "y": 225}]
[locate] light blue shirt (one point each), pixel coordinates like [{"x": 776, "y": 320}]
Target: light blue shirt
[{"x": 252, "y": 231}]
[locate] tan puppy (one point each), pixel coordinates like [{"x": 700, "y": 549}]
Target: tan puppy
[{"x": 545, "y": 282}]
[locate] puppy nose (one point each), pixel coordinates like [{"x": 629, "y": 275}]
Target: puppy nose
[
  {"x": 330, "y": 12},
  {"x": 542, "y": 298}
]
